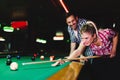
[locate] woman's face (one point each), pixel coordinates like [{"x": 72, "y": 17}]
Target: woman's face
[
  {"x": 72, "y": 21},
  {"x": 87, "y": 38}
]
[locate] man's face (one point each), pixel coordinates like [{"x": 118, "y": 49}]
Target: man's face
[
  {"x": 72, "y": 21},
  {"x": 87, "y": 38}
]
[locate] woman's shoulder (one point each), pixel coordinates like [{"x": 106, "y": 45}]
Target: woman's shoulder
[{"x": 104, "y": 29}]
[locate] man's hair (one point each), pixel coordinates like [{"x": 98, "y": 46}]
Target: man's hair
[
  {"x": 69, "y": 14},
  {"x": 88, "y": 28}
]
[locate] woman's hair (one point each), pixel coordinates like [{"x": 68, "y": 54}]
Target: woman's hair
[{"x": 88, "y": 28}]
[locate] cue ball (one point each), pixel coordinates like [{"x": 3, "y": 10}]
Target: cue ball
[
  {"x": 42, "y": 57},
  {"x": 14, "y": 66}
]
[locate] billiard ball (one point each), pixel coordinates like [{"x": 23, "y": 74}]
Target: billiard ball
[
  {"x": 42, "y": 57},
  {"x": 52, "y": 58},
  {"x": 14, "y": 66},
  {"x": 18, "y": 57},
  {"x": 35, "y": 55},
  {"x": 9, "y": 57},
  {"x": 8, "y": 62},
  {"x": 33, "y": 58}
]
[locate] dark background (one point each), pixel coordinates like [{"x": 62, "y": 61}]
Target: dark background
[{"x": 45, "y": 17}]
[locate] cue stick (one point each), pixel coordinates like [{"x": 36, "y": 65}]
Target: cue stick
[
  {"x": 8, "y": 52},
  {"x": 39, "y": 62}
]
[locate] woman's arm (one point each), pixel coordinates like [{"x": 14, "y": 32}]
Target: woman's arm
[{"x": 115, "y": 42}]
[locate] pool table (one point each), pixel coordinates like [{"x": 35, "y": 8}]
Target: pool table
[{"x": 42, "y": 71}]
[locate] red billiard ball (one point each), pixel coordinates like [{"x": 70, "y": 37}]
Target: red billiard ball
[{"x": 35, "y": 55}]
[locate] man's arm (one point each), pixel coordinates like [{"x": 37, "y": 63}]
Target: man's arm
[
  {"x": 74, "y": 54},
  {"x": 78, "y": 51},
  {"x": 115, "y": 42},
  {"x": 72, "y": 47}
]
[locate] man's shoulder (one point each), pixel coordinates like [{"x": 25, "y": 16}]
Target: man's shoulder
[
  {"x": 69, "y": 29},
  {"x": 81, "y": 19}
]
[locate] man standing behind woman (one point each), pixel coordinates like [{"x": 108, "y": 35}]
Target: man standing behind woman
[
  {"x": 74, "y": 25},
  {"x": 92, "y": 42}
]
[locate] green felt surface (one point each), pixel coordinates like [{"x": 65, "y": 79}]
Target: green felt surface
[{"x": 28, "y": 72}]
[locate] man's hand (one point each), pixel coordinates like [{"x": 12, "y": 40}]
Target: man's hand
[
  {"x": 59, "y": 62},
  {"x": 83, "y": 60}
]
